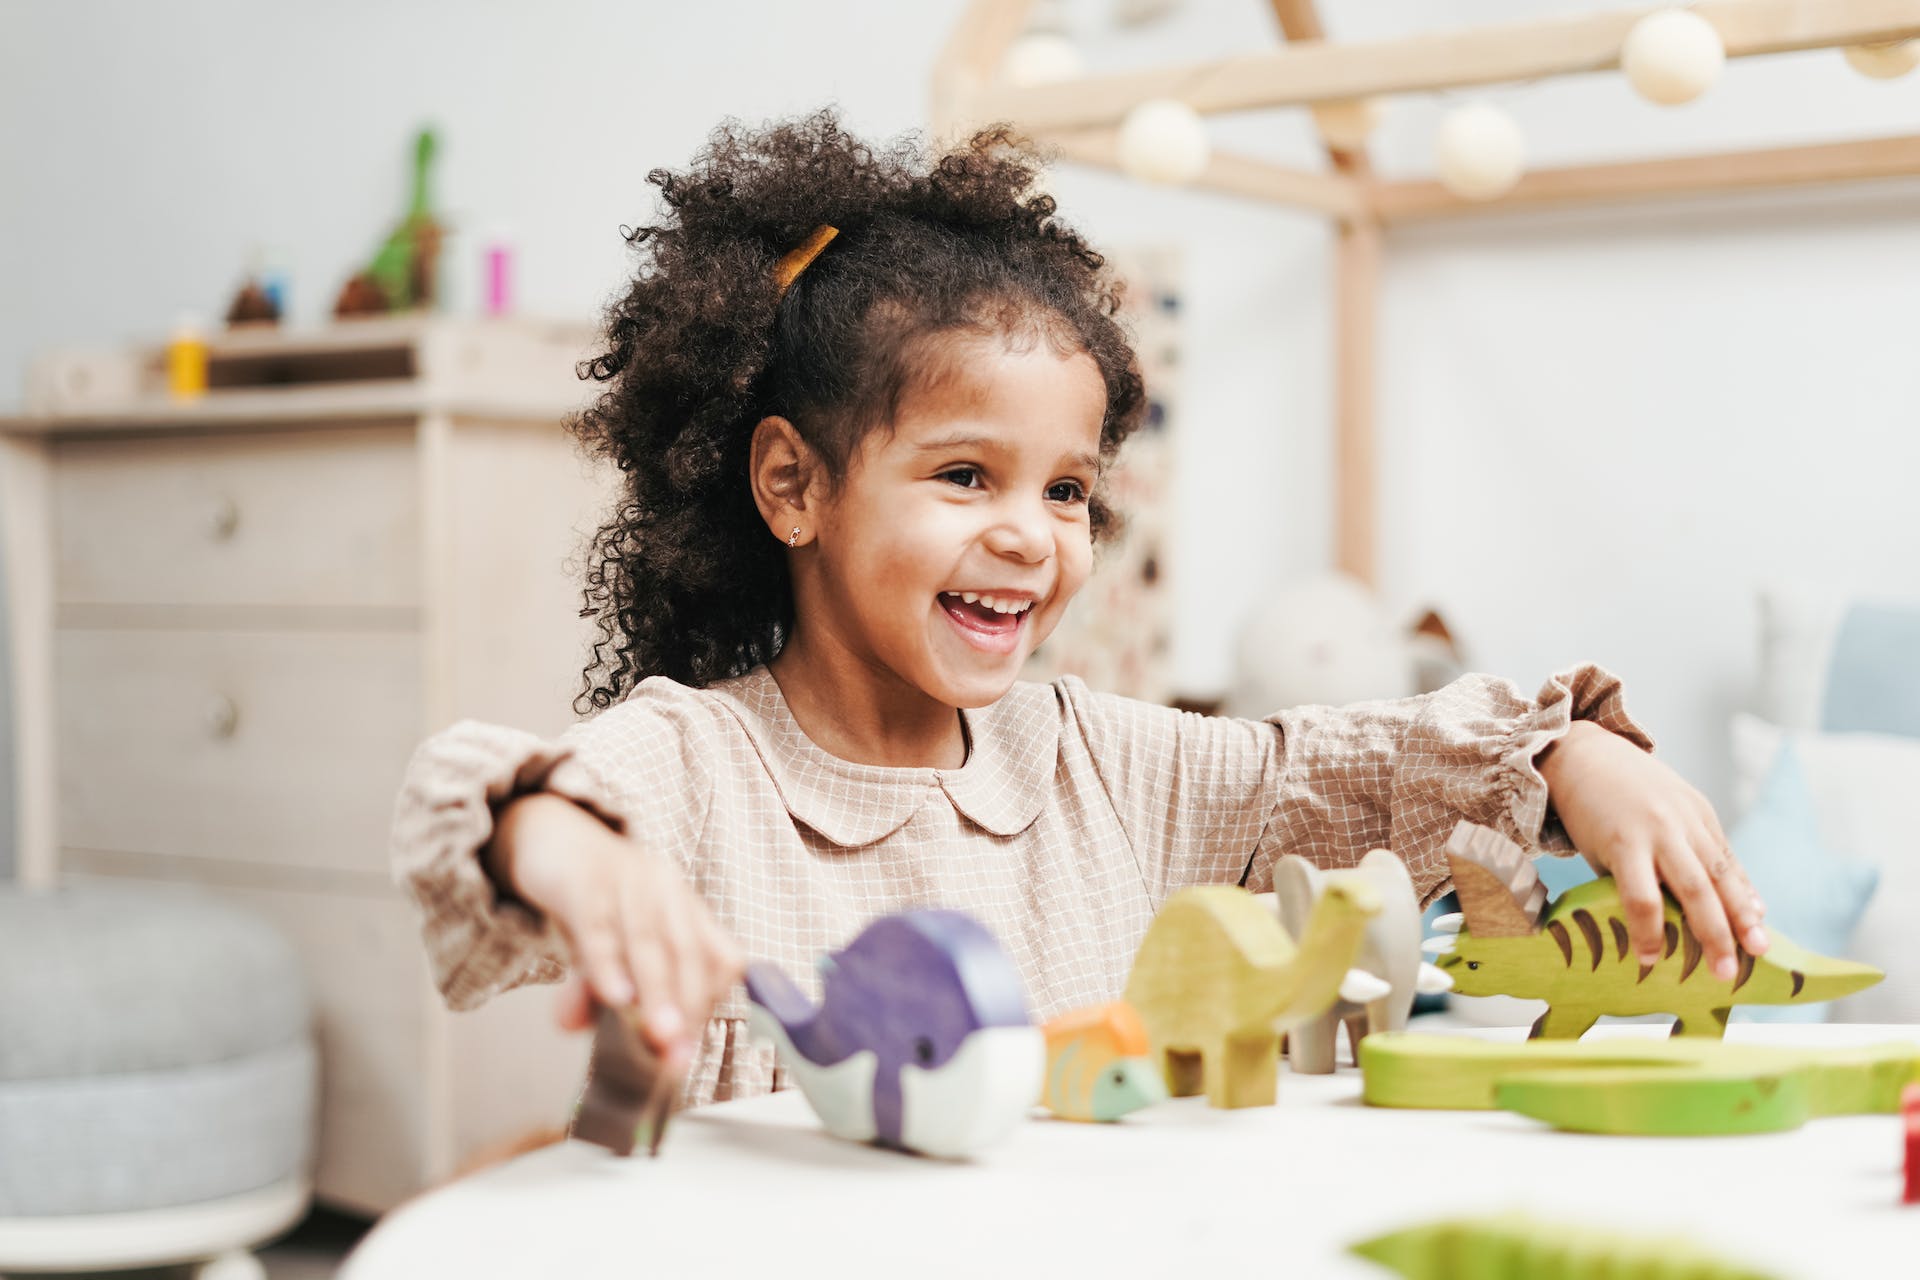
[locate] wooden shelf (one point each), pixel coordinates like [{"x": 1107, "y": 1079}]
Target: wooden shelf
[{"x": 386, "y": 369}]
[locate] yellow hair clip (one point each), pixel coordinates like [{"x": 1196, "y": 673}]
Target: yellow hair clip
[{"x": 798, "y": 259}]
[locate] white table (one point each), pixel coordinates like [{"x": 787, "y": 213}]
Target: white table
[{"x": 755, "y": 1188}]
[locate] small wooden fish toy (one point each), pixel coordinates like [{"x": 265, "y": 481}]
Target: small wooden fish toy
[
  {"x": 1099, "y": 1064},
  {"x": 1574, "y": 954}
]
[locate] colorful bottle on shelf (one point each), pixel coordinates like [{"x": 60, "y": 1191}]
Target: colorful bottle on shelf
[{"x": 187, "y": 359}]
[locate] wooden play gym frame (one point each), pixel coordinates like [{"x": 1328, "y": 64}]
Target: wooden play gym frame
[{"x": 1080, "y": 118}]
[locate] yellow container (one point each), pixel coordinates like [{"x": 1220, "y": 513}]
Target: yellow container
[{"x": 187, "y": 361}]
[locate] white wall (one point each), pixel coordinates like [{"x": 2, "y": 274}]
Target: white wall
[{"x": 1599, "y": 431}]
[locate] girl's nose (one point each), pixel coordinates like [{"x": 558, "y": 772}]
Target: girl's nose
[{"x": 1021, "y": 532}]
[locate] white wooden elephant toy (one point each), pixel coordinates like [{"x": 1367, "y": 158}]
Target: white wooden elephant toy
[{"x": 1387, "y": 972}]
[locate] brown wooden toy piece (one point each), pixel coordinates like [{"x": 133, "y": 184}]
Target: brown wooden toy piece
[
  {"x": 1495, "y": 880},
  {"x": 629, "y": 1094}
]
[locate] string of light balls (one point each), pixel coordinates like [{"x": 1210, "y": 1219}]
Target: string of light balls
[{"x": 1670, "y": 57}]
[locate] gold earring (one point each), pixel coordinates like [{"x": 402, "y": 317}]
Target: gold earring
[{"x": 793, "y": 539}]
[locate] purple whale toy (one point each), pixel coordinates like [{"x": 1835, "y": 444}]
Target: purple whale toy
[{"x": 921, "y": 1040}]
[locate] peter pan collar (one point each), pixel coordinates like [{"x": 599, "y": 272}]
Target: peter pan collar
[{"x": 1015, "y": 746}]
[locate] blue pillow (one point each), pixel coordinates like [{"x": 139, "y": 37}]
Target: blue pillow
[
  {"x": 1560, "y": 872},
  {"x": 1812, "y": 896},
  {"x": 1873, "y": 677}
]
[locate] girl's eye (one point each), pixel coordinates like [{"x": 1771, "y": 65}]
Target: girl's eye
[
  {"x": 965, "y": 477},
  {"x": 1067, "y": 491}
]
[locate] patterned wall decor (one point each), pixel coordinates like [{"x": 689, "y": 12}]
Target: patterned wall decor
[{"x": 1117, "y": 635}]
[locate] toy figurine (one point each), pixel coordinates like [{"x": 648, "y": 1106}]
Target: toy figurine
[
  {"x": 1099, "y": 1064},
  {"x": 1519, "y": 1245},
  {"x": 1910, "y": 1119},
  {"x": 1688, "y": 1086},
  {"x": 402, "y": 273},
  {"x": 921, "y": 1040},
  {"x": 1389, "y": 950},
  {"x": 628, "y": 1095},
  {"x": 1217, "y": 981},
  {"x": 1574, "y": 953}
]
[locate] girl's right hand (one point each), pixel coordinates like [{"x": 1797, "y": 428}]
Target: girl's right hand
[{"x": 638, "y": 933}]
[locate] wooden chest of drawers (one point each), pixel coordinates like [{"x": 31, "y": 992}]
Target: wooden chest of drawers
[{"x": 232, "y": 620}]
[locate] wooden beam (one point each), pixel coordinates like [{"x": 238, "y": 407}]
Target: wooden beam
[
  {"x": 1238, "y": 175},
  {"x": 1300, "y": 23},
  {"x": 1824, "y": 163},
  {"x": 26, "y": 552},
  {"x": 970, "y": 60},
  {"x": 1356, "y": 311},
  {"x": 1297, "y": 75}
]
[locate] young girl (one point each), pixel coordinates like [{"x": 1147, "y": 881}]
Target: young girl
[{"x": 862, "y": 400}]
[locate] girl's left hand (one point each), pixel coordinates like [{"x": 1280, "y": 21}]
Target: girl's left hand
[{"x": 1635, "y": 818}]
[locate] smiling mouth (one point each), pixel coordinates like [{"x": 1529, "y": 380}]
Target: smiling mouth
[{"x": 986, "y": 616}]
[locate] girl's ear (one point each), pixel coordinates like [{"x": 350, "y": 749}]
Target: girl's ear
[{"x": 785, "y": 474}]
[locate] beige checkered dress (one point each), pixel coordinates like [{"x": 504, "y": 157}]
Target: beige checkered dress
[{"x": 1074, "y": 817}]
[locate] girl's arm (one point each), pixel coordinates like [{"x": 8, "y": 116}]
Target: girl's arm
[
  {"x": 523, "y": 854},
  {"x": 1207, "y": 799},
  {"x": 639, "y": 935}
]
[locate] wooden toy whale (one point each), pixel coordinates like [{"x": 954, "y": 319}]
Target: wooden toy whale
[{"x": 921, "y": 1040}]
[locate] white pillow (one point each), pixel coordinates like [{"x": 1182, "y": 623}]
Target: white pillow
[
  {"x": 1798, "y": 622},
  {"x": 1864, "y": 785},
  {"x": 1839, "y": 661}
]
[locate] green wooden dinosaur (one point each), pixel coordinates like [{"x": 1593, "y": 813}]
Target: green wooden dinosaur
[
  {"x": 1676, "y": 1087},
  {"x": 1518, "y": 1246},
  {"x": 1217, "y": 980},
  {"x": 1574, "y": 953}
]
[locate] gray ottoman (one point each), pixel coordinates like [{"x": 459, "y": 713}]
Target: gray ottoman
[{"x": 157, "y": 1080}]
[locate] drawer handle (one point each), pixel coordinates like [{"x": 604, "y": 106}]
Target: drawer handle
[
  {"x": 223, "y": 517},
  {"x": 221, "y": 715}
]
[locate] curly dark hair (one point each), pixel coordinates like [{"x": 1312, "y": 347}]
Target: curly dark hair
[{"x": 683, "y": 578}]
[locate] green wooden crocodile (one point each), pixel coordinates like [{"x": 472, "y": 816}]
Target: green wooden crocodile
[
  {"x": 1517, "y": 1245},
  {"x": 1574, "y": 953}
]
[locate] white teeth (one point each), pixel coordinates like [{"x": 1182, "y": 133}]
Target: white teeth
[{"x": 993, "y": 602}]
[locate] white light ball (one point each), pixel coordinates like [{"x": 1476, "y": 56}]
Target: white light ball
[
  {"x": 1887, "y": 61},
  {"x": 1479, "y": 152},
  {"x": 1672, "y": 56},
  {"x": 1347, "y": 125},
  {"x": 1041, "y": 57},
  {"x": 1164, "y": 141}
]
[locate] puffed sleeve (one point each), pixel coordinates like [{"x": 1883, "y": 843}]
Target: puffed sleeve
[
  {"x": 1211, "y": 799},
  {"x": 645, "y": 767}
]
